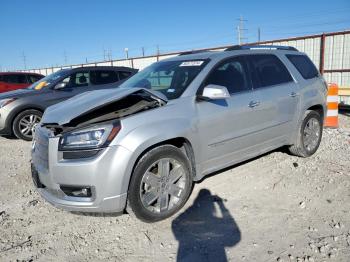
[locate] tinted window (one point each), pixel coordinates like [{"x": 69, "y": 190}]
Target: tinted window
[
  {"x": 123, "y": 75},
  {"x": 15, "y": 79},
  {"x": 268, "y": 70},
  {"x": 78, "y": 79},
  {"x": 103, "y": 77},
  {"x": 304, "y": 65},
  {"x": 230, "y": 74},
  {"x": 33, "y": 78}
]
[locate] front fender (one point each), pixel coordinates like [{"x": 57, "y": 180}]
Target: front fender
[{"x": 142, "y": 138}]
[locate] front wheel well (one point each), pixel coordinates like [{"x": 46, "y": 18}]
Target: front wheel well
[
  {"x": 25, "y": 109},
  {"x": 21, "y": 111},
  {"x": 180, "y": 142}
]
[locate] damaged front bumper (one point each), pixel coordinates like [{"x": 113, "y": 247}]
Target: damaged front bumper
[{"x": 104, "y": 175}]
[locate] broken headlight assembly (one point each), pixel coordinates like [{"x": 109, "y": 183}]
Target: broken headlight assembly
[{"x": 90, "y": 138}]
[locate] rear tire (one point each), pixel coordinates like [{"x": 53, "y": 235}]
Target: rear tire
[
  {"x": 160, "y": 185},
  {"x": 24, "y": 124},
  {"x": 309, "y": 135}
]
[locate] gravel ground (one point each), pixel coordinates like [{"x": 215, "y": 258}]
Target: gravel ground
[{"x": 274, "y": 208}]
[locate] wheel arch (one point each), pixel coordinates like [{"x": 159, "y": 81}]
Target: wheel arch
[
  {"x": 180, "y": 142},
  {"x": 19, "y": 111},
  {"x": 318, "y": 108},
  {"x": 22, "y": 109}
]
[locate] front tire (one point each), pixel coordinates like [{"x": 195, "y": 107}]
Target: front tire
[
  {"x": 309, "y": 135},
  {"x": 24, "y": 124},
  {"x": 160, "y": 185}
]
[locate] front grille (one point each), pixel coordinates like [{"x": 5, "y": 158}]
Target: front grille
[{"x": 41, "y": 148}]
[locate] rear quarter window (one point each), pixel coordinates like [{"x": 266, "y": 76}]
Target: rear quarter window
[
  {"x": 33, "y": 78},
  {"x": 123, "y": 75},
  {"x": 103, "y": 77},
  {"x": 304, "y": 66},
  {"x": 268, "y": 70}
]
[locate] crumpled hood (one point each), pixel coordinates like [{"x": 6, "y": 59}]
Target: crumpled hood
[{"x": 62, "y": 113}]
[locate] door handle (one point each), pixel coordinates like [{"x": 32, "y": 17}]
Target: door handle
[
  {"x": 293, "y": 94},
  {"x": 253, "y": 104}
]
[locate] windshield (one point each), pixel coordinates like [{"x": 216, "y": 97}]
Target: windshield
[
  {"x": 47, "y": 80},
  {"x": 170, "y": 78}
]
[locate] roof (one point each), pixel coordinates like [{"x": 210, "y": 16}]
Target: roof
[
  {"x": 245, "y": 49},
  {"x": 102, "y": 68},
  {"x": 19, "y": 73}
]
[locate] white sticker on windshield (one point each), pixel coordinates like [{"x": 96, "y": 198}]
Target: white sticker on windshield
[
  {"x": 192, "y": 63},
  {"x": 171, "y": 90}
]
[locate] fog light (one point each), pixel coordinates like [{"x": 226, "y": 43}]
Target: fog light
[{"x": 74, "y": 191}]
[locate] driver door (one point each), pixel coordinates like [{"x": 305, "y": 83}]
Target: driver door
[
  {"x": 227, "y": 127},
  {"x": 76, "y": 83}
]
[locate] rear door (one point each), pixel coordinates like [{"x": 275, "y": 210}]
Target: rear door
[
  {"x": 278, "y": 98},
  {"x": 101, "y": 79},
  {"x": 227, "y": 128}
]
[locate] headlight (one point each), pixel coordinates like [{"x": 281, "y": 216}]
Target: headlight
[
  {"x": 89, "y": 138},
  {"x": 6, "y": 101}
]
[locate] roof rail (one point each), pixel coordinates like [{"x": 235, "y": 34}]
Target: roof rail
[
  {"x": 260, "y": 47},
  {"x": 193, "y": 52}
]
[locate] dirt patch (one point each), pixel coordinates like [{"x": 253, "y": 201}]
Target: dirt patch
[{"x": 274, "y": 208}]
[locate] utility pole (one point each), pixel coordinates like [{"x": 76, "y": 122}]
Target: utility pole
[
  {"x": 240, "y": 31},
  {"x": 158, "y": 51},
  {"x": 143, "y": 51},
  {"x": 259, "y": 35},
  {"x": 104, "y": 54},
  {"x": 109, "y": 55},
  {"x": 24, "y": 60},
  {"x": 126, "y": 52}
]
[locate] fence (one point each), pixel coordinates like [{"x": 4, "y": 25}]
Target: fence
[{"x": 330, "y": 52}]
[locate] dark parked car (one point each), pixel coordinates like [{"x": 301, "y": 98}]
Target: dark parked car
[
  {"x": 21, "y": 110},
  {"x": 10, "y": 81}
]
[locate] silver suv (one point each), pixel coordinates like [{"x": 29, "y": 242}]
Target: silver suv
[{"x": 142, "y": 146}]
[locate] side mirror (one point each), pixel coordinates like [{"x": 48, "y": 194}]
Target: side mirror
[
  {"x": 214, "y": 92},
  {"x": 60, "y": 85}
]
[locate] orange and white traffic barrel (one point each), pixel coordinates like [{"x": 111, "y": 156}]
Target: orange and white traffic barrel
[{"x": 332, "y": 106}]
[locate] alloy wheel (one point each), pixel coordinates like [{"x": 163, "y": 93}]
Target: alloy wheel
[
  {"x": 312, "y": 132},
  {"x": 28, "y": 123},
  {"x": 163, "y": 185}
]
